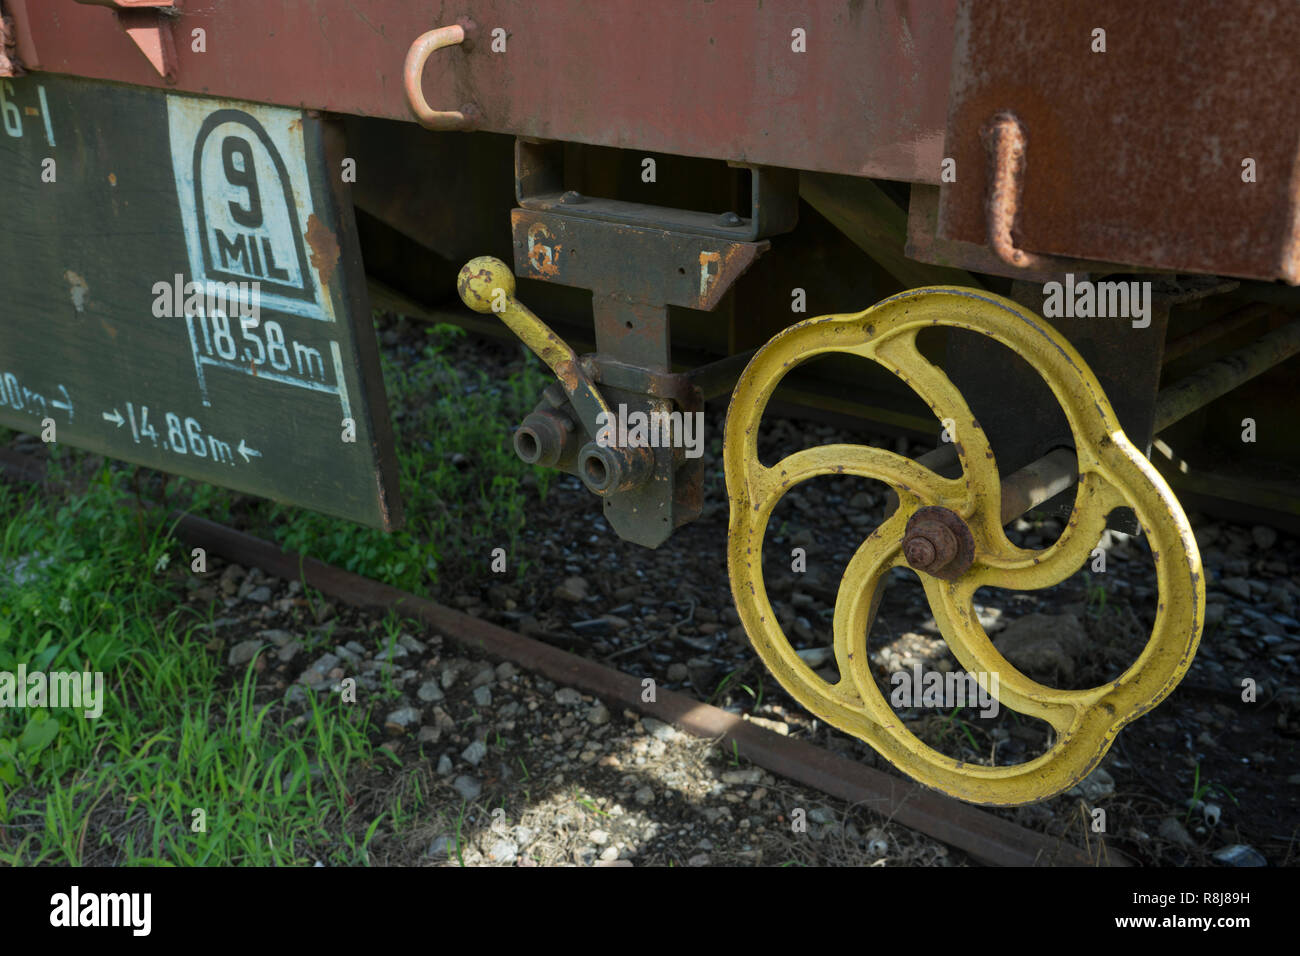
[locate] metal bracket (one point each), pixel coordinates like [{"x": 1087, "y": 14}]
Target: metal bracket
[
  {"x": 635, "y": 273},
  {"x": 773, "y": 206},
  {"x": 638, "y": 261},
  {"x": 674, "y": 386},
  {"x": 149, "y": 27}
]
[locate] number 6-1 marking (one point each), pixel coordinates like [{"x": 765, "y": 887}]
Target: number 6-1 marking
[{"x": 13, "y": 117}]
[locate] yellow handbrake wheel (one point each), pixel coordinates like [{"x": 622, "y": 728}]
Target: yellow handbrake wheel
[{"x": 968, "y": 551}]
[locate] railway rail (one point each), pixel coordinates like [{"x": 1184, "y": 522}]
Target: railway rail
[{"x": 984, "y": 836}]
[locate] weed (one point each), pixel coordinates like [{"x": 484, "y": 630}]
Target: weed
[
  {"x": 460, "y": 820},
  {"x": 1097, "y": 596},
  {"x": 587, "y": 802},
  {"x": 953, "y": 718},
  {"x": 721, "y": 686},
  {"x": 1201, "y": 790}
]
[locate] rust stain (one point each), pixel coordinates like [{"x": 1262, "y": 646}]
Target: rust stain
[
  {"x": 78, "y": 290},
  {"x": 568, "y": 375},
  {"x": 706, "y": 277},
  {"x": 324, "y": 248},
  {"x": 543, "y": 251}
]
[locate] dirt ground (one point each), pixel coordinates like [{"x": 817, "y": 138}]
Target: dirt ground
[{"x": 516, "y": 770}]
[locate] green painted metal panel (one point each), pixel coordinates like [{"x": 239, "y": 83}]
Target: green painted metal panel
[{"x": 181, "y": 287}]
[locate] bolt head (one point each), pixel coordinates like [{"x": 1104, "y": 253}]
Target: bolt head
[
  {"x": 919, "y": 552},
  {"x": 938, "y": 542}
]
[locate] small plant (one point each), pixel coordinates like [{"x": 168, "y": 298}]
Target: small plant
[
  {"x": 717, "y": 691},
  {"x": 587, "y": 802},
  {"x": 21, "y": 754},
  {"x": 460, "y": 820},
  {"x": 953, "y": 718},
  {"x": 1097, "y": 596},
  {"x": 1201, "y": 790}
]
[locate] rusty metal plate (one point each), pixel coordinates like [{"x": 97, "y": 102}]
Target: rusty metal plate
[
  {"x": 866, "y": 97},
  {"x": 180, "y": 287},
  {"x": 1135, "y": 155},
  {"x": 630, "y": 259}
]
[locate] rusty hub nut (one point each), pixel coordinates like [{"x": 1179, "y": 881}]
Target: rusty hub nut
[
  {"x": 539, "y": 440},
  {"x": 938, "y": 542},
  {"x": 930, "y": 546},
  {"x": 605, "y": 470}
]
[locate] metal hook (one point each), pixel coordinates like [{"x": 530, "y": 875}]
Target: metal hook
[{"x": 413, "y": 73}]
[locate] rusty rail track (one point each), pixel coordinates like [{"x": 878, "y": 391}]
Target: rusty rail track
[{"x": 986, "y": 837}]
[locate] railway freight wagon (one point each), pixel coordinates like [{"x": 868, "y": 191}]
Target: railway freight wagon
[{"x": 1066, "y": 231}]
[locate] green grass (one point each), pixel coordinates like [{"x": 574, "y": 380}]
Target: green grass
[
  {"x": 953, "y": 718},
  {"x": 1097, "y": 595},
  {"x": 191, "y": 763},
  {"x": 123, "y": 787},
  {"x": 756, "y": 696},
  {"x": 457, "y": 510}
]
